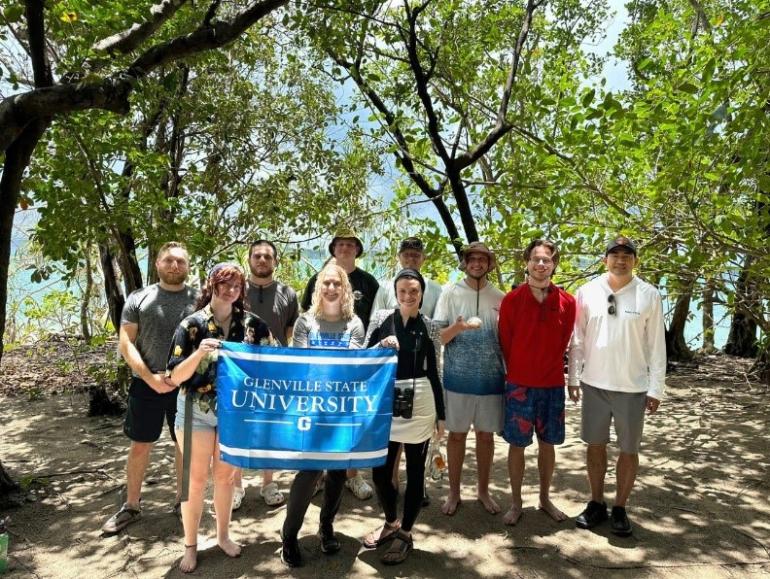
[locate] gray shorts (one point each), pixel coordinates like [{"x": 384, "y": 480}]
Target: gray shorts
[
  {"x": 200, "y": 420},
  {"x": 601, "y": 406},
  {"x": 485, "y": 413}
]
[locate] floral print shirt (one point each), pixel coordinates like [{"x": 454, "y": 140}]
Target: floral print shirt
[{"x": 244, "y": 327}]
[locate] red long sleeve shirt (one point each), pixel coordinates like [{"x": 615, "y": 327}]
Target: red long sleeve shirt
[{"x": 534, "y": 336}]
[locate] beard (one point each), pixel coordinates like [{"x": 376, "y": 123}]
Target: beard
[
  {"x": 263, "y": 273},
  {"x": 172, "y": 278}
]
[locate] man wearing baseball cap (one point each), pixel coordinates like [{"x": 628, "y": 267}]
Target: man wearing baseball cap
[
  {"x": 345, "y": 248},
  {"x": 411, "y": 255},
  {"x": 618, "y": 360},
  {"x": 473, "y": 371}
]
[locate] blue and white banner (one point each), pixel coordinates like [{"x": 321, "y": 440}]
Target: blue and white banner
[{"x": 308, "y": 409}]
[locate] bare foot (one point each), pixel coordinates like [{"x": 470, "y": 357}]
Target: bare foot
[
  {"x": 512, "y": 516},
  {"x": 190, "y": 559},
  {"x": 451, "y": 505},
  {"x": 548, "y": 507},
  {"x": 231, "y": 548},
  {"x": 489, "y": 504}
]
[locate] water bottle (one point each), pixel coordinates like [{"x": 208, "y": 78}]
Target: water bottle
[
  {"x": 4, "y": 545},
  {"x": 438, "y": 466}
]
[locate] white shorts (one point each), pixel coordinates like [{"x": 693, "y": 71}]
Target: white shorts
[{"x": 484, "y": 413}]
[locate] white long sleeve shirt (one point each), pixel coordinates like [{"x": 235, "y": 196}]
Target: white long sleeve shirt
[
  {"x": 624, "y": 352},
  {"x": 386, "y": 297}
]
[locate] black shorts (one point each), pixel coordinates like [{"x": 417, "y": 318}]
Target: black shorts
[{"x": 146, "y": 412}]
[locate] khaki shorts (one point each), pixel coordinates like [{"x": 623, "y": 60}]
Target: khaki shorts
[
  {"x": 601, "y": 406},
  {"x": 485, "y": 413}
]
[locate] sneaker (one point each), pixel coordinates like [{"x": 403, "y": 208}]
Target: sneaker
[
  {"x": 124, "y": 517},
  {"x": 329, "y": 542},
  {"x": 290, "y": 552},
  {"x": 359, "y": 487},
  {"x": 593, "y": 514},
  {"x": 621, "y": 526},
  {"x": 238, "y": 494},
  {"x": 271, "y": 495}
]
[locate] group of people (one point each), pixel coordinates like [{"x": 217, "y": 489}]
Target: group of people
[{"x": 468, "y": 354}]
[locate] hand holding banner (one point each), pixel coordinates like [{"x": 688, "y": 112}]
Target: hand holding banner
[{"x": 304, "y": 409}]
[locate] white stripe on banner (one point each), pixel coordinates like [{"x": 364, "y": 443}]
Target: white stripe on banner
[
  {"x": 331, "y": 360},
  {"x": 293, "y": 454}
]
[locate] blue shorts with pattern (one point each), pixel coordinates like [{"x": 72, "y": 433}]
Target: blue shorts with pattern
[{"x": 533, "y": 410}]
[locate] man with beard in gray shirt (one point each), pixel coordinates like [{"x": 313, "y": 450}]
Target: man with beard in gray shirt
[
  {"x": 277, "y": 305},
  {"x": 147, "y": 326}
]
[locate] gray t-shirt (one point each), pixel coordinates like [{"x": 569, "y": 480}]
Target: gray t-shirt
[
  {"x": 157, "y": 312},
  {"x": 310, "y": 332},
  {"x": 276, "y": 304}
]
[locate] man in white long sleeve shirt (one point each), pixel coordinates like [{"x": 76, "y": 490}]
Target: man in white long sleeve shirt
[
  {"x": 618, "y": 360},
  {"x": 411, "y": 254}
]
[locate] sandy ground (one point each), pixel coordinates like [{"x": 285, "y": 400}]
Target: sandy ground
[{"x": 700, "y": 506}]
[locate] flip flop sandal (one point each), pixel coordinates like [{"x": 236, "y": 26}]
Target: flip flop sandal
[
  {"x": 399, "y": 549},
  {"x": 377, "y": 538},
  {"x": 272, "y": 496}
]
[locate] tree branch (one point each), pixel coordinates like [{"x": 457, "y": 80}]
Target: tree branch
[
  {"x": 203, "y": 38},
  {"x": 36, "y": 36},
  {"x": 502, "y": 126},
  {"x": 111, "y": 93},
  {"x": 421, "y": 83},
  {"x": 128, "y": 40},
  {"x": 17, "y": 111}
]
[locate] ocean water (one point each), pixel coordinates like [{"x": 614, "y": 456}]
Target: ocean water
[{"x": 21, "y": 286}]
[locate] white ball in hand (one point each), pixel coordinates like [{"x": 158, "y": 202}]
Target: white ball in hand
[{"x": 474, "y": 322}]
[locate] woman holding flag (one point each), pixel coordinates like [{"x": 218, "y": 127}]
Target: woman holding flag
[
  {"x": 192, "y": 365},
  {"x": 329, "y": 323},
  {"x": 418, "y": 408}
]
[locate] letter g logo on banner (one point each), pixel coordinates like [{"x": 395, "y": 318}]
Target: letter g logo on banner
[{"x": 303, "y": 423}]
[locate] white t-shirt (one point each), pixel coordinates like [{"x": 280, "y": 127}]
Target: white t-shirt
[{"x": 624, "y": 352}]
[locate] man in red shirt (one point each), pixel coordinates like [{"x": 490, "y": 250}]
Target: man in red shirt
[{"x": 535, "y": 325}]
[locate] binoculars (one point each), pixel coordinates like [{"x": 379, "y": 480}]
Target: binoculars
[{"x": 403, "y": 401}]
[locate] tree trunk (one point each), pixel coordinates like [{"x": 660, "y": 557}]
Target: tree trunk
[
  {"x": 761, "y": 367},
  {"x": 115, "y": 299},
  {"x": 85, "y": 318},
  {"x": 129, "y": 265},
  {"x": 7, "y": 484},
  {"x": 709, "y": 291},
  {"x": 17, "y": 158},
  {"x": 9, "y": 490},
  {"x": 742, "y": 340},
  {"x": 676, "y": 345}
]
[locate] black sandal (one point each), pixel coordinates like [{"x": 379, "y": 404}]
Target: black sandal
[
  {"x": 399, "y": 549},
  {"x": 387, "y": 532}
]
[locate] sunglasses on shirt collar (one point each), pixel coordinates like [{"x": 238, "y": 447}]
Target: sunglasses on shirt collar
[{"x": 611, "y": 310}]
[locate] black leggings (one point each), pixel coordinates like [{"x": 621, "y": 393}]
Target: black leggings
[
  {"x": 302, "y": 493},
  {"x": 415, "y": 483}
]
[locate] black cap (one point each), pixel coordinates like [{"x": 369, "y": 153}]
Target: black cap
[
  {"x": 414, "y": 243},
  {"x": 621, "y": 242}
]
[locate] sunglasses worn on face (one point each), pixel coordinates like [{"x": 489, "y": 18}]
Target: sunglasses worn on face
[{"x": 611, "y": 310}]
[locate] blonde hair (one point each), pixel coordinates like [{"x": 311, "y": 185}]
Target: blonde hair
[{"x": 346, "y": 299}]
